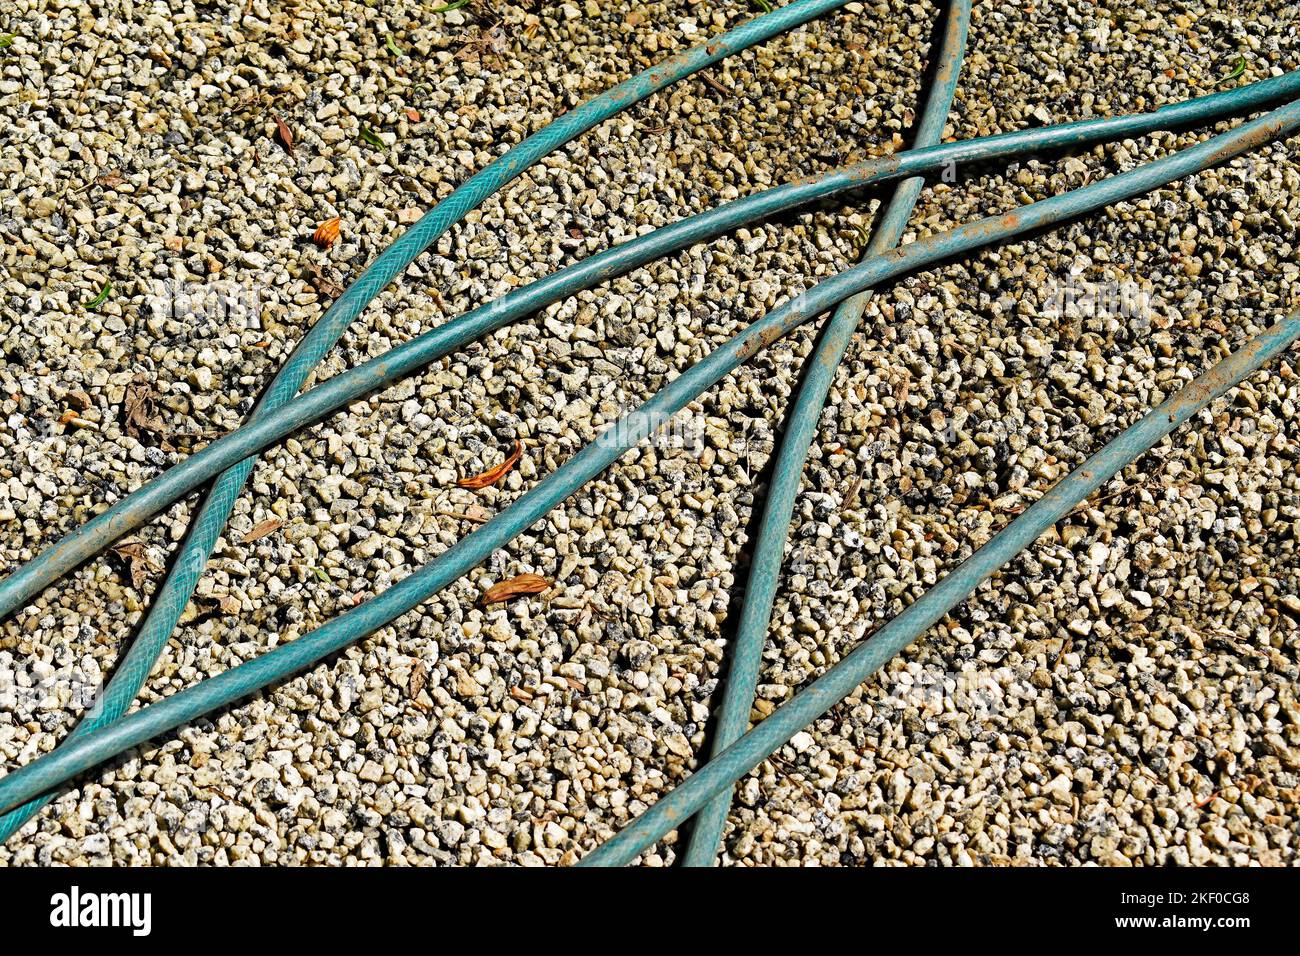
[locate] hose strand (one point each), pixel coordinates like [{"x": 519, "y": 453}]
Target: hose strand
[
  {"x": 135, "y": 509},
  {"x": 765, "y": 565},
  {"x": 721, "y": 773},
  {"x": 174, "y": 594},
  {"x": 77, "y": 755}
]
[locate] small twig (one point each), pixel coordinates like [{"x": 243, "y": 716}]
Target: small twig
[
  {"x": 786, "y": 769},
  {"x": 715, "y": 84},
  {"x": 462, "y": 516},
  {"x": 851, "y": 495}
]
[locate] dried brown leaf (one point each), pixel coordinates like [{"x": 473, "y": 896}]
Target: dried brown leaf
[
  {"x": 324, "y": 284},
  {"x": 137, "y": 408},
  {"x": 283, "y": 133},
  {"x": 413, "y": 114},
  {"x": 419, "y": 677},
  {"x": 515, "y": 587},
  {"x": 129, "y": 549},
  {"x": 138, "y": 563},
  {"x": 110, "y": 179},
  {"x": 326, "y": 233},
  {"x": 493, "y": 475},
  {"x": 262, "y": 529},
  {"x": 230, "y": 604}
]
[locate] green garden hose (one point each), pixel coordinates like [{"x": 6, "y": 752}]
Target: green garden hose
[
  {"x": 721, "y": 773},
  {"x": 78, "y": 755},
  {"x": 174, "y": 594},
  {"x": 765, "y": 566},
  {"x": 135, "y": 509}
]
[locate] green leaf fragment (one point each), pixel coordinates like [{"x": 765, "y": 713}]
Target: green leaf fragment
[
  {"x": 371, "y": 137},
  {"x": 392, "y": 45},
  {"x": 1238, "y": 68},
  {"x": 98, "y": 300},
  {"x": 449, "y": 7}
]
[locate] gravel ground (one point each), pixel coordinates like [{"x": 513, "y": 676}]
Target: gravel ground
[{"x": 1124, "y": 693}]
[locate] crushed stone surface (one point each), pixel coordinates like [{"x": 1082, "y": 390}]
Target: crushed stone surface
[{"x": 1122, "y": 693}]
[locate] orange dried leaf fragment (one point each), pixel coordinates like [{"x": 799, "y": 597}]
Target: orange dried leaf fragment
[
  {"x": 493, "y": 475},
  {"x": 515, "y": 587},
  {"x": 326, "y": 233},
  {"x": 283, "y": 134},
  {"x": 262, "y": 529}
]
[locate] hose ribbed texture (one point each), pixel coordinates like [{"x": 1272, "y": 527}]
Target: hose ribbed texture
[
  {"x": 174, "y": 594},
  {"x": 765, "y": 566},
  {"x": 86, "y": 751}
]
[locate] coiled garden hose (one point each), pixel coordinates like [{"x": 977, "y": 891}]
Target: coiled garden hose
[
  {"x": 86, "y": 751},
  {"x": 765, "y": 566},
  {"x": 721, "y": 773},
  {"x": 174, "y": 594},
  {"x": 135, "y": 509}
]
